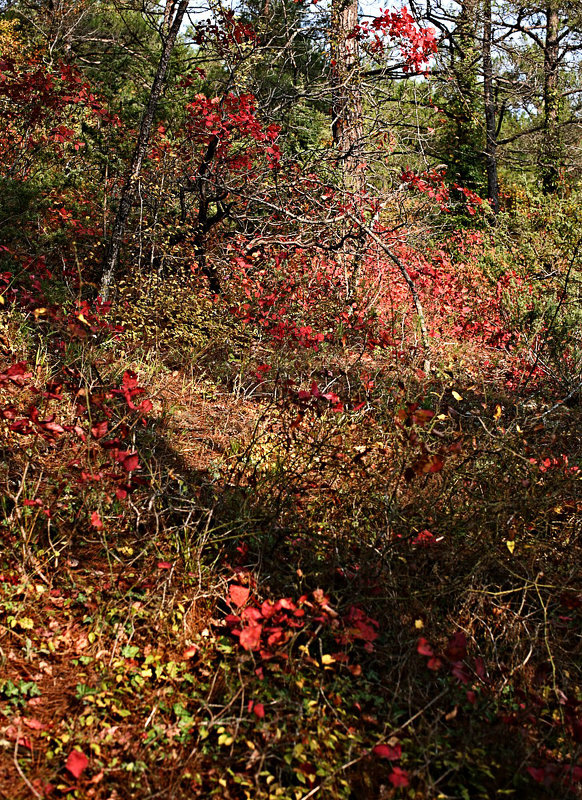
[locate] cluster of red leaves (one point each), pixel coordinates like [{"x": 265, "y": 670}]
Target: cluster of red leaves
[
  {"x": 36, "y": 97},
  {"x": 95, "y": 415},
  {"x": 532, "y": 714},
  {"x": 78, "y": 224},
  {"x": 91, "y": 423},
  {"x": 313, "y": 399},
  {"x": 222, "y": 136},
  {"x": 567, "y": 775},
  {"x": 560, "y": 462},
  {"x": 432, "y": 184},
  {"x": 222, "y": 116},
  {"x": 224, "y": 32},
  {"x": 392, "y": 752},
  {"x": 417, "y": 45},
  {"x": 460, "y": 301},
  {"x": 298, "y": 299},
  {"x": 24, "y": 287},
  {"x": 453, "y": 656},
  {"x": 266, "y": 627}
]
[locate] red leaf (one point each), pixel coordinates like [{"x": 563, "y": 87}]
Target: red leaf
[
  {"x": 276, "y": 636},
  {"x": 457, "y": 647},
  {"x": 268, "y": 609},
  {"x": 129, "y": 380},
  {"x": 424, "y": 538},
  {"x": 238, "y": 595},
  {"x": 164, "y": 565},
  {"x": 398, "y": 777},
  {"x": 461, "y": 672},
  {"x": 76, "y": 763},
  {"x": 480, "y": 667},
  {"x": 250, "y": 637},
  {"x": 96, "y": 520},
  {"x": 131, "y": 462},
  {"x": 435, "y": 464},
  {"x": 259, "y": 710},
  {"x": 34, "y": 724},
  {"x": 424, "y": 648},
  {"x": 422, "y": 416},
  {"x": 537, "y": 773},
  {"x": 386, "y": 751},
  {"x": 251, "y": 613},
  {"x": 99, "y": 430},
  {"x": 53, "y": 427}
]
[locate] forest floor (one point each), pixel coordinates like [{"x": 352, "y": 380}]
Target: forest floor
[{"x": 334, "y": 576}]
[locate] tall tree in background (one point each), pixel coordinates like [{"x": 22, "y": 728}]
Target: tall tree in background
[
  {"x": 173, "y": 18},
  {"x": 544, "y": 44},
  {"x": 551, "y": 156},
  {"x": 285, "y": 70},
  {"x": 458, "y": 92},
  {"x": 490, "y": 115},
  {"x": 347, "y": 124}
]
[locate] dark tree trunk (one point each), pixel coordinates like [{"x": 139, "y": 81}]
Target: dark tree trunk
[
  {"x": 551, "y": 150},
  {"x": 489, "y": 102},
  {"x": 129, "y": 188}
]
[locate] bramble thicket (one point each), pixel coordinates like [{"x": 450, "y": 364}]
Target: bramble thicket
[{"x": 290, "y": 400}]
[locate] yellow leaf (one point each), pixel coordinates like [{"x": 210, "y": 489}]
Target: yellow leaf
[
  {"x": 510, "y": 546},
  {"x": 327, "y": 659},
  {"x": 82, "y": 318},
  {"x": 457, "y": 396},
  {"x": 497, "y": 412},
  {"x": 418, "y": 624}
]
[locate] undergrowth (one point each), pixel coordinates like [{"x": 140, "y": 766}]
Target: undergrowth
[{"x": 282, "y": 571}]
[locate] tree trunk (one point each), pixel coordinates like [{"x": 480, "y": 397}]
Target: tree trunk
[
  {"x": 489, "y": 102},
  {"x": 551, "y": 149},
  {"x": 465, "y": 161},
  {"x": 129, "y": 188},
  {"x": 346, "y": 125},
  {"x": 347, "y": 129}
]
